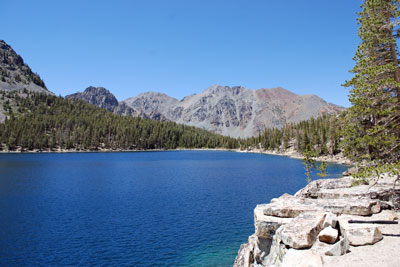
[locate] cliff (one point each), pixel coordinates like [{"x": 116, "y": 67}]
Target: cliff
[{"x": 327, "y": 223}]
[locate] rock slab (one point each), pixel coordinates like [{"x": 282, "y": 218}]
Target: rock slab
[{"x": 302, "y": 231}]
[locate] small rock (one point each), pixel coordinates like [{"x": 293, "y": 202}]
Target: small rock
[{"x": 328, "y": 235}]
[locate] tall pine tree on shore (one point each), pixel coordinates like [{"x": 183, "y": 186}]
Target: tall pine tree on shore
[{"x": 372, "y": 124}]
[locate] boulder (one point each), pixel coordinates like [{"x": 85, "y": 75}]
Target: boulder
[
  {"x": 353, "y": 206},
  {"x": 290, "y": 206},
  {"x": 330, "y": 220},
  {"x": 328, "y": 235},
  {"x": 302, "y": 231},
  {"x": 361, "y": 236}
]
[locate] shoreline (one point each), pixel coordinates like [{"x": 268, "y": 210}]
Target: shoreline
[
  {"x": 291, "y": 230},
  {"x": 338, "y": 159}
]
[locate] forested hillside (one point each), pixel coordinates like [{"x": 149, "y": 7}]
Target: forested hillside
[
  {"x": 46, "y": 122},
  {"x": 322, "y": 134},
  {"x": 40, "y": 121}
]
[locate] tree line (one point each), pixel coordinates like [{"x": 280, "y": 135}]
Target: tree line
[
  {"x": 322, "y": 134},
  {"x": 45, "y": 122}
]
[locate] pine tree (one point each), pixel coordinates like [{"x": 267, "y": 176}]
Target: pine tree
[{"x": 372, "y": 124}]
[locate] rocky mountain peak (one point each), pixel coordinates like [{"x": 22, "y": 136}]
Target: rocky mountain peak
[
  {"x": 218, "y": 90},
  {"x": 15, "y": 74},
  {"x": 98, "y": 96}
]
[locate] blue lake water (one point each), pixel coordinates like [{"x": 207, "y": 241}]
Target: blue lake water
[{"x": 174, "y": 208}]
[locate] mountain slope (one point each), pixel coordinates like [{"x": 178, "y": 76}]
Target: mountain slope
[
  {"x": 230, "y": 111},
  {"x": 16, "y": 77},
  {"x": 241, "y": 112},
  {"x": 15, "y": 74}
]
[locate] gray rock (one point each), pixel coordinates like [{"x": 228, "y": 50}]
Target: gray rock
[
  {"x": 266, "y": 226},
  {"x": 245, "y": 255},
  {"x": 98, "y": 96},
  {"x": 232, "y": 111},
  {"x": 359, "y": 234},
  {"x": 15, "y": 74},
  {"x": 328, "y": 235},
  {"x": 363, "y": 235},
  {"x": 342, "y": 189},
  {"x": 330, "y": 220},
  {"x": 291, "y": 206},
  {"x": 277, "y": 253},
  {"x": 302, "y": 231}
]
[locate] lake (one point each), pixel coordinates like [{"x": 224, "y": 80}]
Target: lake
[{"x": 173, "y": 208}]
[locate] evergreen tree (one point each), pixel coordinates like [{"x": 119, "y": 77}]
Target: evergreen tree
[{"x": 372, "y": 124}]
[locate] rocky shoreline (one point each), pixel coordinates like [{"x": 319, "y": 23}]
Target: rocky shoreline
[
  {"x": 338, "y": 158},
  {"x": 327, "y": 223}
]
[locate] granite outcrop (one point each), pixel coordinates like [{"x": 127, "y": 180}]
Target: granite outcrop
[{"x": 327, "y": 223}]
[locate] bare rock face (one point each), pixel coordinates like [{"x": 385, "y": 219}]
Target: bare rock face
[
  {"x": 152, "y": 105},
  {"x": 246, "y": 255},
  {"x": 232, "y": 111},
  {"x": 98, "y": 96},
  {"x": 15, "y": 75}
]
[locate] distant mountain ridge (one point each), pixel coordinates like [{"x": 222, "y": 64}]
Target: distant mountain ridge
[{"x": 231, "y": 111}]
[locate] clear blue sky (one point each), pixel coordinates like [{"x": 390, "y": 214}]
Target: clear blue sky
[{"x": 181, "y": 47}]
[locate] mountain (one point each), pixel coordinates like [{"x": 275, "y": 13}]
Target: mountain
[
  {"x": 98, "y": 96},
  {"x": 15, "y": 77},
  {"x": 15, "y": 74},
  {"x": 231, "y": 111}
]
